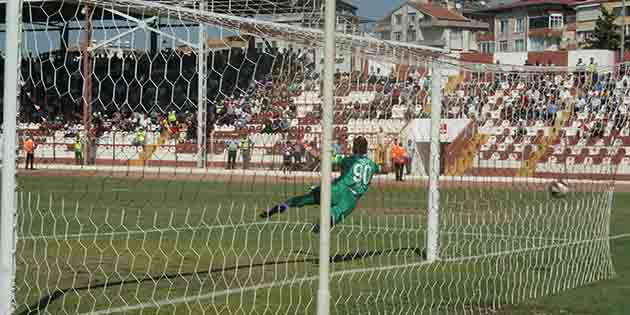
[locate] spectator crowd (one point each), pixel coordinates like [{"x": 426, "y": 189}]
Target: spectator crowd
[{"x": 243, "y": 94}]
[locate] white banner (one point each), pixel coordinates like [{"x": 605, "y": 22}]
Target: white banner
[{"x": 420, "y": 129}]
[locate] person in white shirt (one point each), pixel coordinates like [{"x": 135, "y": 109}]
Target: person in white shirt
[
  {"x": 580, "y": 64},
  {"x": 595, "y": 102},
  {"x": 564, "y": 94},
  {"x": 144, "y": 122},
  {"x": 581, "y": 103}
]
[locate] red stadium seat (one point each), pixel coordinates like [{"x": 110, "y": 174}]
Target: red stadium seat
[
  {"x": 614, "y": 133},
  {"x": 545, "y": 159},
  {"x": 580, "y": 159},
  {"x": 568, "y": 123},
  {"x": 561, "y": 159}
]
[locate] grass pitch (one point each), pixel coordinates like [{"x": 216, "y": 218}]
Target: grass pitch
[{"x": 104, "y": 245}]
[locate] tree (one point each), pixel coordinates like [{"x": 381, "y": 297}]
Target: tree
[{"x": 606, "y": 34}]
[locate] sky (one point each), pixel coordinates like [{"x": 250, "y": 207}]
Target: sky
[{"x": 375, "y": 8}]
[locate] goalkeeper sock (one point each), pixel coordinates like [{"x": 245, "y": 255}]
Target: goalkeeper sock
[
  {"x": 316, "y": 227},
  {"x": 279, "y": 208}
]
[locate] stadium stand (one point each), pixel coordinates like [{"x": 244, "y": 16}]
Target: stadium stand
[{"x": 536, "y": 124}]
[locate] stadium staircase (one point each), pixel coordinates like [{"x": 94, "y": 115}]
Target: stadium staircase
[
  {"x": 462, "y": 151},
  {"x": 451, "y": 86},
  {"x": 149, "y": 150},
  {"x": 528, "y": 168},
  {"x": 453, "y": 82}
]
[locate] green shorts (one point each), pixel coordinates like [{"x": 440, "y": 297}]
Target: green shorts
[{"x": 342, "y": 202}]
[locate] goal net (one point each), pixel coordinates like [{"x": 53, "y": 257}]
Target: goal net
[{"x": 165, "y": 132}]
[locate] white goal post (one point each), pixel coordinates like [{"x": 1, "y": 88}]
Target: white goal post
[
  {"x": 8, "y": 232},
  {"x": 166, "y": 220}
]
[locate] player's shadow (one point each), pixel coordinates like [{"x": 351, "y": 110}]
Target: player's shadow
[
  {"x": 369, "y": 254},
  {"x": 48, "y": 299}
]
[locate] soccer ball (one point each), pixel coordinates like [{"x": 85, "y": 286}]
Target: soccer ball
[{"x": 558, "y": 188}]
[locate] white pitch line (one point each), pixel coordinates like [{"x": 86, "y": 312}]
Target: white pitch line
[
  {"x": 164, "y": 230},
  {"x": 119, "y": 189},
  {"x": 495, "y": 235},
  {"x": 332, "y": 274},
  {"x": 227, "y": 226},
  {"x": 618, "y": 236},
  {"x": 277, "y": 173},
  {"x": 165, "y": 302},
  {"x": 513, "y": 237},
  {"x": 528, "y": 249}
]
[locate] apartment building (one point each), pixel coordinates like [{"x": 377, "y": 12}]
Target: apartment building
[
  {"x": 587, "y": 13},
  {"x": 430, "y": 24},
  {"x": 529, "y": 26}
]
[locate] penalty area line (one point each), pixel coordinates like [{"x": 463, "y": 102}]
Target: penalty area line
[
  {"x": 157, "y": 304},
  {"x": 164, "y": 230},
  {"x": 341, "y": 273},
  {"x": 119, "y": 189},
  {"x": 423, "y": 229}
]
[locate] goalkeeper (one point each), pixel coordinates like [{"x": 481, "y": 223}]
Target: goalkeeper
[{"x": 356, "y": 173}]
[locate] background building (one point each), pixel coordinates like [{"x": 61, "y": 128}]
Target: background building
[
  {"x": 534, "y": 25},
  {"x": 587, "y": 13},
  {"x": 430, "y": 24},
  {"x": 348, "y": 22}
]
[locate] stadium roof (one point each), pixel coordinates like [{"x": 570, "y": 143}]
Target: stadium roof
[
  {"x": 501, "y": 6},
  {"x": 60, "y": 11},
  {"x": 590, "y": 2},
  {"x": 438, "y": 12}
]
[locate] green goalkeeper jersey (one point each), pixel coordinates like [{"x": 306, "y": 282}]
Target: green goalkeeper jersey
[{"x": 356, "y": 174}]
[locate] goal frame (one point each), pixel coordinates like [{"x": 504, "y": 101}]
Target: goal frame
[{"x": 8, "y": 232}]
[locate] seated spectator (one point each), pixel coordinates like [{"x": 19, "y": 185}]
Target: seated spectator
[
  {"x": 138, "y": 139},
  {"x": 551, "y": 113},
  {"x": 598, "y": 129},
  {"x": 298, "y": 152},
  {"x": 267, "y": 126},
  {"x": 521, "y": 131}
]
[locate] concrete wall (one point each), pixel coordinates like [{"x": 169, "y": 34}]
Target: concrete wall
[
  {"x": 510, "y": 58},
  {"x": 385, "y": 68},
  {"x": 477, "y": 57},
  {"x": 604, "y": 58},
  {"x": 557, "y": 58}
]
